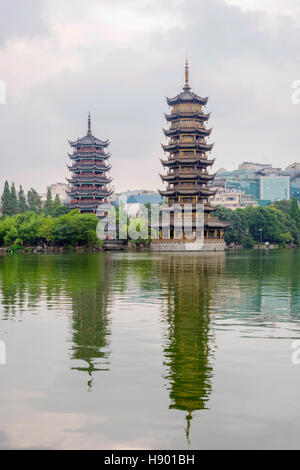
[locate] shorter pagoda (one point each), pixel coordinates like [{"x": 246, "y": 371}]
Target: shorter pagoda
[{"x": 89, "y": 181}]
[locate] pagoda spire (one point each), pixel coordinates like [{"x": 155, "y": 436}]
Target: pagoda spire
[
  {"x": 187, "y": 84},
  {"x": 89, "y": 125}
]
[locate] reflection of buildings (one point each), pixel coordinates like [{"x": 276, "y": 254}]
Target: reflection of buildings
[
  {"x": 91, "y": 325},
  {"x": 189, "y": 348}
]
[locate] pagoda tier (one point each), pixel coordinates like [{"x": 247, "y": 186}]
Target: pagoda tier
[
  {"x": 187, "y": 96},
  {"x": 96, "y": 156},
  {"x": 185, "y": 191},
  {"x": 89, "y": 192},
  {"x": 93, "y": 166},
  {"x": 187, "y": 166},
  {"x": 196, "y": 146},
  {"x": 177, "y": 130},
  {"x": 88, "y": 205},
  {"x": 192, "y": 175},
  {"x": 89, "y": 180},
  {"x": 176, "y": 115},
  {"x": 93, "y": 179},
  {"x": 188, "y": 162}
]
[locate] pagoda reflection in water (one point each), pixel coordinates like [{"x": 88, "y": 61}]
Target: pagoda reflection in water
[
  {"x": 90, "y": 319},
  {"x": 189, "y": 346}
]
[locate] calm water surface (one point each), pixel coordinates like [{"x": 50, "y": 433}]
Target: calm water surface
[{"x": 150, "y": 351}]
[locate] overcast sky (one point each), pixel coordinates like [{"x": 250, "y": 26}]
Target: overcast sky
[{"x": 119, "y": 59}]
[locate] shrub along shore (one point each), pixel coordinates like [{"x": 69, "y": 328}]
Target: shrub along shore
[{"x": 41, "y": 232}]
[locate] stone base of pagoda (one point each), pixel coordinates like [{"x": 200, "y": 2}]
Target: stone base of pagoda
[{"x": 184, "y": 245}]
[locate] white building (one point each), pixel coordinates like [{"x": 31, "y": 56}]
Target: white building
[
  {"x": 233, "y": 199},
  {"x": 57, "y": 188}
]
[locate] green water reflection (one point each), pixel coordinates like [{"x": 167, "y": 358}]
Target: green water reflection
[{"x": 194, "y": 297}]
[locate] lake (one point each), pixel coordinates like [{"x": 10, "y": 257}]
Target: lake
[{"x": 150, "y": 350}]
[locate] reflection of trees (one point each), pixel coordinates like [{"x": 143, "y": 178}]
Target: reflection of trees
[
  {"x": 189, "y": 281},
  {"x": 25, "y": 280},
  {"x": 84, "y": 279}
]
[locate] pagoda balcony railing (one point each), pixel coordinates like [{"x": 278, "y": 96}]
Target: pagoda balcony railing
[
  {"x": 186, "y": 186},
  {"x": 189, "y": 125},
  {"x": 89, "y": 175},
  {"x": 90, "y": 154},
  {"x": 81, "y": 180},
  {"x": 89, "y": 193},
  {"x": 80, "y": 202},
  {"x": 88, "y": 164},
  {"x": 88, "y": 190},
  {"x": 191, "y": 170}
]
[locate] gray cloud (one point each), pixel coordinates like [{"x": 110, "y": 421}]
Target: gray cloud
[{"x": 87, "y": 58}]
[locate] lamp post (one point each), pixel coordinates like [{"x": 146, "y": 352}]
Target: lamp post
[{"x": 260, "y": 231}]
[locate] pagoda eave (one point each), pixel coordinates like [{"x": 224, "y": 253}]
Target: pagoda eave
[
  {"x": 176, "y": 116},
  {"x": 187, "y": 130},
  {"x": 188, "y": 192},
  {"x": 194, "y": 176},
  {"x": 91, "y": 167},
  {"x": 187, "y": 97},
  {"x": 174, "y": 161},
  {"x": 188, "y": 146}
]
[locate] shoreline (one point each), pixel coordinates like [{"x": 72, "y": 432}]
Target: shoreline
[{"x": 121, "y": 247}]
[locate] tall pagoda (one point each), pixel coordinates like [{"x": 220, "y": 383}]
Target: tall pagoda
[
  {"x": 187, "y": 176},
  {"x": 89, "y": 181}
]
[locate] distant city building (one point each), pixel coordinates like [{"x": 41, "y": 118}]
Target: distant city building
[
  {"x": 233, "y": 199},
  {"x": 262, "y": 181},
  {"x": 136, "y": 203},
  {"x": 89, "y": 180},
  {"x": 59, "y": 189},
  {"x": 274, "y": 188},
  {"x": 293, "y": 171}
]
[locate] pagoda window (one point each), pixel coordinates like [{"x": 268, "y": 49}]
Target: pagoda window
[
  {"x": 187, "y": 123},
  {"x": 187, "y": 138}
]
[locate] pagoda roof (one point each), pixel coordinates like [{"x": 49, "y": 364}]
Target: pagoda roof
[
  {"x": 187, "y": 96},
  {"x": 91, "y": 166},
  {"x": 185, "y": 175},
  {"x": 216, "y": 223},
  {"x": 89, "y": 179},
  {"x": 190, "y": 115},
  {"x": 173, "y": 161},
  {"x": 187, "y": 145},
  {"x": 89, "y": 139},
  {"x": 76, "y": 193},
  {"x": 187, "y": 130},
  {"x": 188, "y": 192},
  {"x": 89, "y": 156}
]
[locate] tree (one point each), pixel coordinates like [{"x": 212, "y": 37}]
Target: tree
[
  {"x": 295, "y": 212},
  {"x": 13, "y": 199},
  {"x": 6, "y": 200},
  {"x": 283, "y": 206},
  {"x": 48, "y": 206},
  {"x": 247, "y": 241},
  {"x": 34, "y": 201},
  {"x": 22, "y": 204},
  {"x": 58, "y": 208}
]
